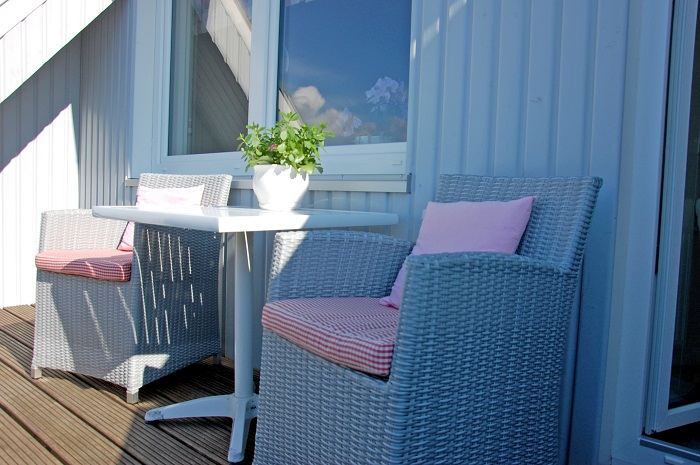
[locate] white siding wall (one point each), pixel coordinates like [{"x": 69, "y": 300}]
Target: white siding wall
[
  {"x": 39, "y": 126},
  {"x": 61, "y": 134},
  {"x": 107, "y": 75},
  {"x": 32, "y": 31}
]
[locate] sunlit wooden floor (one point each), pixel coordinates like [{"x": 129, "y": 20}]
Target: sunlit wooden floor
[{"x": 70, "y": 419}]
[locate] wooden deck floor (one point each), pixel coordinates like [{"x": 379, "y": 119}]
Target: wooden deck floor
[{"x": 70, "y": 419}]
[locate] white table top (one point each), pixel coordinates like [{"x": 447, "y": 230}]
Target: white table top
[{"x": 237, "y": 219}]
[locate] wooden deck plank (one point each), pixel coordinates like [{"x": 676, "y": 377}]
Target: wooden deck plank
[
  {"x": 67, "y": 436},
  {"x": 123, "y": 425},
  {"x": 105, "y": 410},
  {"x": 24, "y": 312},
  {"x": 17, "y": 446},
  {"x": 39, "y": 412},
  {"x": 208, "y": 436},
  {"x": 93, "y": 401},
  {"x": 18, "y": 328}
]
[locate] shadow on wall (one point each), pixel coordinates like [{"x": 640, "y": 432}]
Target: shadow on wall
[{"x": 39, "y": 122}]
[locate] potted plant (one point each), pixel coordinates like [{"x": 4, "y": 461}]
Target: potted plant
[{"x": 282, "y": 157}]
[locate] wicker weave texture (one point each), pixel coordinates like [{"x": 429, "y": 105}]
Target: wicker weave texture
[
  {"x": 166, "y": 317},
  {"x": 564, "y": 205},
  {"x": 477, "y": 367},
  {"x": 78, "y": 229},
  {"x": 330, "y": 416},
  {"x": 356, "y": 264},
  {"x": 217, "y": 187}
]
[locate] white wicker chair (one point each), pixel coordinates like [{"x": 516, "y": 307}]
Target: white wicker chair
[{"x": 131, "y": 333}]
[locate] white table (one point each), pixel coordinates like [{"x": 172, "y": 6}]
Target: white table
[{"x": 241, "y": 406}]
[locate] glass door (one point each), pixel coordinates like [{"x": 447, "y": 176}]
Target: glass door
[{"x": 674, "y": 398}]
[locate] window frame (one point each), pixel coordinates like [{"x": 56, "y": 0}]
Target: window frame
[{"x": 371, "y": 167}]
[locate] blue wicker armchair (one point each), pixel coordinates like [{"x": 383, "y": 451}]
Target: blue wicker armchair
[
  {"x": 477, "y": 367},
  {"x": 165, "y": 317}
]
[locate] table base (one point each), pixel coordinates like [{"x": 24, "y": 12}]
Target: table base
[{"x": 240, "y": 409}]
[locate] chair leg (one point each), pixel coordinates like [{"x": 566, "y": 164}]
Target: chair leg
[
  {"x": 35, "y": 372},
  {"x": 132, "y": 397},
  {"x": 216, "y": 360}
]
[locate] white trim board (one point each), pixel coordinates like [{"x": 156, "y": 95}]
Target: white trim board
[{"x": 395, "y": 185}]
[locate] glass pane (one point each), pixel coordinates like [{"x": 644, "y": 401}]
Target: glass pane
[
  {"x": 685, "y": 366},
  {"x": 345, "y": 63},
  {"x": 210, "y": 75}
]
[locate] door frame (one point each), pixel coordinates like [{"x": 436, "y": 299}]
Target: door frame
[
  {"x": 659, "y": 417},
  {"x": 638, "y": 206}
]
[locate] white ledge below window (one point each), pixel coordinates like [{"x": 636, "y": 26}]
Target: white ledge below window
[{"x": 397, "y": 184}]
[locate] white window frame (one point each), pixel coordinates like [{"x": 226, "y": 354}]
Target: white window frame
[{"x": 371, "y": 167}]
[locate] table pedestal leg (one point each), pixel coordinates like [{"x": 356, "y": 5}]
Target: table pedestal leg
[
  {"x": 242, "y": 405},
  {"x": 247, "y": 407}
]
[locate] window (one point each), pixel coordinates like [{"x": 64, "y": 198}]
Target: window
[
  {"x": 223, "y": 63},
  {"x": 209, "y": 76}
]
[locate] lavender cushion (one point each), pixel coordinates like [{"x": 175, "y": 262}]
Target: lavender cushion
[
  {"x": 150, "y": 197},
  {"x": 355, "y": 332},
  {"x": 467, "y": 227}
]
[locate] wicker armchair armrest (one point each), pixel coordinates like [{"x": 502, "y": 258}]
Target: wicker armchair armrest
[
  {"x": 480, "y": 304},
  {"x": 334, "y": 263},
  {"x": 486, "y": 280},
  {"x": 485, "y": 335},
  {"x": 78, "y": 229}
]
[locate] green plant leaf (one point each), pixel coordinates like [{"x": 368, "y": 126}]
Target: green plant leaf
[{"x": 289, "y": 142}]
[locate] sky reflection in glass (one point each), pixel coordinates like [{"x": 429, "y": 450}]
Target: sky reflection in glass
[{"x": 346, "y": 63}]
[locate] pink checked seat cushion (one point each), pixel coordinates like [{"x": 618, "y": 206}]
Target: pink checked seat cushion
[
  {"x": 105, "y": 264},
  {"x": 355, "y": 332}
]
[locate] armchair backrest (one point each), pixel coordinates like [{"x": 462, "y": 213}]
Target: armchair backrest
[
  {"x": 560, "y": 216},
  {"x": 216, "y": 186}
]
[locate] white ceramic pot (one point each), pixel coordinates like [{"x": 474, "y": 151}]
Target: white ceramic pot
[{"x": 278, "y": 187}]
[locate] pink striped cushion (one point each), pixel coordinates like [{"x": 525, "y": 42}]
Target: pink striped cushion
[
  {"x": 105, "y": 264},
  {"x": 355, "y": 332}
]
